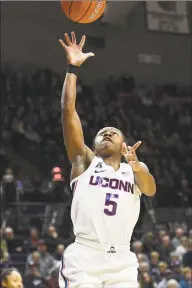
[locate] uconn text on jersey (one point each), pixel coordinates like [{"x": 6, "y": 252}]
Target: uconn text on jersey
[{"x": 112, "y": 183}]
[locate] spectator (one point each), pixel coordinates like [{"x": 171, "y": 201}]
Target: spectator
[
  {"x": 4, "y": 249},
  {"x": 178, "y": 234},
  {"x": 172, "y": 283},
  {"x": 14, "y": 244},
  {"x": 137, "y": 247},
  {"x": 33, "y": 278},
  {"x": 159, "y": 239},
  {"x": 142, "y": 257},
  {"x": 166, "y": 248},
  {"x": 176, "y": 269},
  {"x": 148, "y": 242},
  {"x": 162, "y": 281},
  {"x": 146, "y": 281},
  {"x": 33, "y": 239},
  {"x": 143, "y": 267},
  {"x": 59, "y": 252},
  {"x": 174, "y": 258},
  {"x": 183, "y": 247},
  {"x": 154, "y": 261},
  {"x": 186, "y": 282},
  {"x": 46, "y": 262},
  {"x": 187, "y": 257},
  {"x": 34, "y": 262},
  {"x": 162, "y": 269},
  {"x": 9, "y": 187},
  {"x": 52, "y": 239}
]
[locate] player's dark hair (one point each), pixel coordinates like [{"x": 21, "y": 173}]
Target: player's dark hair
[{"x": 6, "y": 272}]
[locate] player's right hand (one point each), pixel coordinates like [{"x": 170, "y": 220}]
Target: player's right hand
[{"x": 75, "y": 56}]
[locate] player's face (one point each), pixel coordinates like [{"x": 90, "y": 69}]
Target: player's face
[
  {"x": 14, "y": 280},
  {"x": 108, "y": 142}
]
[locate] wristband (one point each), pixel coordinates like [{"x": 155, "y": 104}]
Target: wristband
[{"x": 73, "y": 69}]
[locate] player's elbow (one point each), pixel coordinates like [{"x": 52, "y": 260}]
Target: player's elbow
[{"x": 151, "y": 187}]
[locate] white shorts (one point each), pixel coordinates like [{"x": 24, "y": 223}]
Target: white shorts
[{"x": 87, "y": 264}]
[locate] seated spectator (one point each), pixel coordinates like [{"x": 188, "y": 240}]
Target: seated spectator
[
  {"x": 59, "y": 252},
  {"x": 176, "y": 270},
  {"x": 186, "y": 281},
  {"x": 52, "y": 239},
  {"x": 4, "y": 249},
  {"x": 142, "y": 257},
  {"x": 9, "y": 187},
  {"x": 178, "y": 234},
  {"x": 172, "y": 283},
  {"x": 33, "y": 239},
  {"x": 14, "y": 244},
  {"x": 137, "y": 247},
  {"x": 154, "y": 261},
  {"x": 159, "y": 238},
  {"x": 174, "y": 258},
  {"x": 166, "y": 277},
  {"x": 46, "y": 262},
  {"x": 34, "y": 261},
  {"x": 33, "y": 278},
  {"x": 162, "y": 266},
  {"x": 148, "y": 243},
  {"x": 146, "y": 281},
  {"x": 143, "y": 267},
  {"x": 187, "y": 257},
  {"x": 183, "y": 247},
  {"x": 165, "y": 249}
]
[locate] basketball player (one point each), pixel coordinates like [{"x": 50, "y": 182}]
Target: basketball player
[
  {"x": 11, "y": 278},
  {"x": 106, "y": 201}
]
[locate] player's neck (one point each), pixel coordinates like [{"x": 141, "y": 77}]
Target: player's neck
[{"x": 113, "y": 162}]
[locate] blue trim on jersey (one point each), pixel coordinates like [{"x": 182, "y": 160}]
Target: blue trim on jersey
[{"x": 61, "y": 272}]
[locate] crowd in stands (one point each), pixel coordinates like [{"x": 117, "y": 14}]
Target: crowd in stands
[
  {"x": 159, "y": 116},
  {"x": 163, "y": 257}
]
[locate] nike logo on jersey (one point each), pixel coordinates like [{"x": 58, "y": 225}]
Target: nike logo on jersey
[
  {"x": 99, "y": 171},
  {"x": 124, "y": 173}
]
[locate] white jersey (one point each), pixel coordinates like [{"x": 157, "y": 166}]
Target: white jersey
[{"x": 106, "y": 203}]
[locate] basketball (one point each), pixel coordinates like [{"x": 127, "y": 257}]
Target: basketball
[{"x": 83, "y": 11}]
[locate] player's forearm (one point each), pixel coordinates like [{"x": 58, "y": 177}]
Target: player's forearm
[
  {"x": 68, "y": 96},
  {"x": 145, "y": 182}
]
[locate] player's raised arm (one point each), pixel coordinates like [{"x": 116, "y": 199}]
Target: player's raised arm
[{"x": 72, "y": 128}]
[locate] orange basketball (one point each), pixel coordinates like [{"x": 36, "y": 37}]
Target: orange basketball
[{"x": 83, "y": 11}]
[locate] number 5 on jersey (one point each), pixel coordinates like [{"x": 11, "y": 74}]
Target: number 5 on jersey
[{"x": 111, "y": 204}]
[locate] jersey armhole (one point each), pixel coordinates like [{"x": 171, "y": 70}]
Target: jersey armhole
[{"x": 72, "y": 183}]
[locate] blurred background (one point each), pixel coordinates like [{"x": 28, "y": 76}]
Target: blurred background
[{"x": 138, "y": 81}]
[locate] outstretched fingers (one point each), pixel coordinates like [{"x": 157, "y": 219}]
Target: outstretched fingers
[
  {"x": 62, "y": 43},
  {"x": 82, "y": 42},
  {"x": 67, "y": 39},
  {"x": 136, "y": 145},
  {"x": 73, "y": 37}
]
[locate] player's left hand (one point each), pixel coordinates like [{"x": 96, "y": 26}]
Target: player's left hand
[{"x": 130, "y": 155}]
